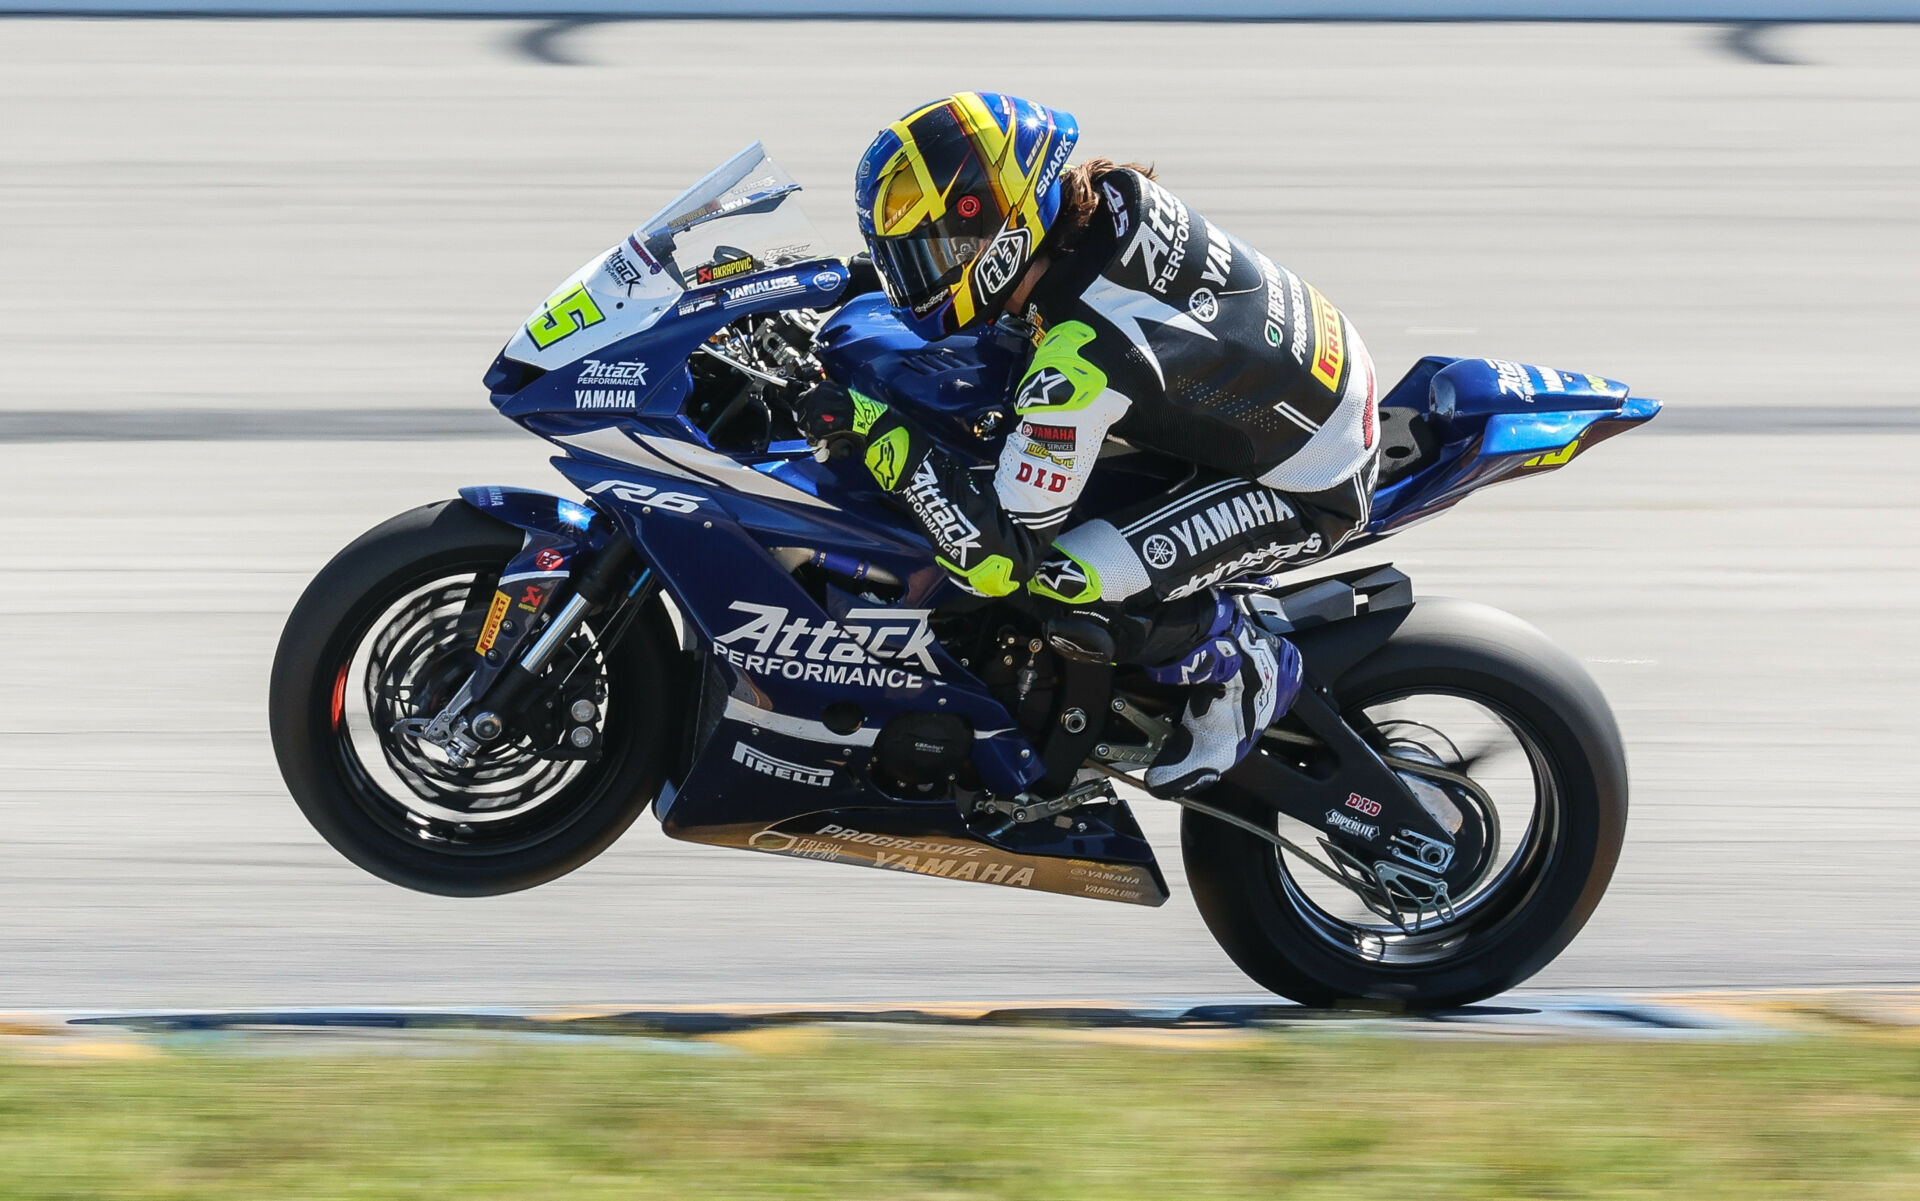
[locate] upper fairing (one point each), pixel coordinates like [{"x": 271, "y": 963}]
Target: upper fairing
[{"x": 722, "y": 243}]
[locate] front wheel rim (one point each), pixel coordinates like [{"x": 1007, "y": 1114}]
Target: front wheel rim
[{"x": 513, "y": 799}]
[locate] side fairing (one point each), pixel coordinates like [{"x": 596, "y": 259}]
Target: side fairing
[{"x": 784, "y": 653}]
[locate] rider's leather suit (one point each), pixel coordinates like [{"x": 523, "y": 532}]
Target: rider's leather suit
[{"x": 1158, "y": 331}]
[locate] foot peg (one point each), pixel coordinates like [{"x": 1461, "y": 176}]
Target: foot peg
[{"x": 1027, "y": 808}]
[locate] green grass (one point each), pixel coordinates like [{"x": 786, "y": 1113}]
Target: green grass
[{"x": 852, "y": 1117}]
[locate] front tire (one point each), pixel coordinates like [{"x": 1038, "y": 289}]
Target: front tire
[
  {"x": 1256, "y": 900},
  {"x": 401, "y": 589}
]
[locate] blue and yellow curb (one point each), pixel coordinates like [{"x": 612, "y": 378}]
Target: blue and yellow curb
[{"x": 774, "y": 1029}]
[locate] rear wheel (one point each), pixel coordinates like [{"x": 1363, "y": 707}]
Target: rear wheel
[
  {"x": 1471, "y": 692},
  {"x": 384, "y": 634}
]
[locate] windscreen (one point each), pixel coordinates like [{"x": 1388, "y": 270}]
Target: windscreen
[{"x": 743, "y": 217}]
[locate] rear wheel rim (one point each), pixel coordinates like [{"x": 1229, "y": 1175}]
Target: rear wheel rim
[{"x": 1341, "y": 924}]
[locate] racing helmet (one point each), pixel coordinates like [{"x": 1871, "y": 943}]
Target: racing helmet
[{"x": 954, "y": 199}]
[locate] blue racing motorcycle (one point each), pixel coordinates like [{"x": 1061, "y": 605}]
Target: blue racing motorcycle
[{"x": 481, "y": 694}]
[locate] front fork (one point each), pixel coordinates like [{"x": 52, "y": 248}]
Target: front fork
[{"x": 510, "y": 656}]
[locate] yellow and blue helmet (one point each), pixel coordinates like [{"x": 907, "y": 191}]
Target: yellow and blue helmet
[{"x": 954, "y": 199}]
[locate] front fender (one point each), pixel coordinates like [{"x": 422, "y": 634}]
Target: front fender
[{"x": 542, "y": 515}]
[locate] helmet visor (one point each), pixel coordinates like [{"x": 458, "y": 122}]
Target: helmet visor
[{"x": 920, "y": 269}]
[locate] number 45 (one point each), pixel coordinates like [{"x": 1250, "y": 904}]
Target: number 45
[{"x": 567, "y": 313}]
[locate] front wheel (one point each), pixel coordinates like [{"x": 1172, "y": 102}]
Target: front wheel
[
  {"x": 1473, "y": 692},
  {"x": 385, "y": 633}
]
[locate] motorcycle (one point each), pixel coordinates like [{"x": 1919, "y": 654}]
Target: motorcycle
[{"x": 482, "y": 694}]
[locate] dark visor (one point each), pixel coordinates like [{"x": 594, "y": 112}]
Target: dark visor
[{"x": 919, "y": 268}]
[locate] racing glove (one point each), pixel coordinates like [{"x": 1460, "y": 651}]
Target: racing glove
[
  {"x": 826, "y": 418},
  {"x": 836, "y": 420}
]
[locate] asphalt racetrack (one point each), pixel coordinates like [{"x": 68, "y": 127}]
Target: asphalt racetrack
[{"x": 303, "y": 221}]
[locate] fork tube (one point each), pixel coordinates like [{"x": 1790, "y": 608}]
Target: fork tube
[
  {"x": 557, "y": 632},
  {"x": 595, "y": 588}
]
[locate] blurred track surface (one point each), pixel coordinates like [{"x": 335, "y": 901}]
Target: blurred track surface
[{"x": 311, "y": 216}]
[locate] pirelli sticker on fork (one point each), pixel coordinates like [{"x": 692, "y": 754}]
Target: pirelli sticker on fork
[{"x": 490, "y": 632}]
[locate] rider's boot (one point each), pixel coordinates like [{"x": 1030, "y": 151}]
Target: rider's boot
[{"x": 1242, "y": 678}]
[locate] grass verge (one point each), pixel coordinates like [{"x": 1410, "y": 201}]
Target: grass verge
[{"x": 855, "y": 1117}]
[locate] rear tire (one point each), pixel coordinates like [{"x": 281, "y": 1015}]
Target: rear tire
[
  {"x": 331, "y": 784},
  {"x": 1241, "y": 882}
]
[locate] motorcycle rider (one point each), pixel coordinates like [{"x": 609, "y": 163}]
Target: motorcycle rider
[{"x": 1153, "y": 330}]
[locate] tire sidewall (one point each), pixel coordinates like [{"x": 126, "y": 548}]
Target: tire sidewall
[
  {"x": 1239, "y": 890},
  {"x": 329, "y": 622}
]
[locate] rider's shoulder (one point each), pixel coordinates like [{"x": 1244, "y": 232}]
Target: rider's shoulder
[{"x": 1119, "y": 192}]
